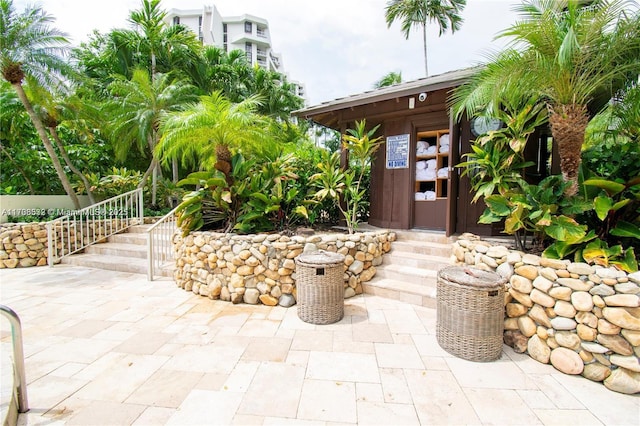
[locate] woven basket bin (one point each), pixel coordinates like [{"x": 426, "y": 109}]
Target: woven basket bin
[
  {"x": 320, "y": 287},
  {"x": 470, "y": 313}
]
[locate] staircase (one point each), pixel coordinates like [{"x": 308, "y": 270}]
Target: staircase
[
  {"x": 125, "y": 252},
  {"x": 409, "y": 271}
]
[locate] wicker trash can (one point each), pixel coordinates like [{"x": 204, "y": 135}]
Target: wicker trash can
[
  {"x": 470, "y": 313},
  {"x": 320, "y": 287}
]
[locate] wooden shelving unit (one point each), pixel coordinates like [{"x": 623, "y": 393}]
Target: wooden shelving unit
[{"x": 428, "y": 179}]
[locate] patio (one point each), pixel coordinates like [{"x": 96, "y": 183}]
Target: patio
[{"x": 113, "y": 348}]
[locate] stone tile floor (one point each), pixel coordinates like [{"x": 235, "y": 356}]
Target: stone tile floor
[{"x": 111, "y": 348}]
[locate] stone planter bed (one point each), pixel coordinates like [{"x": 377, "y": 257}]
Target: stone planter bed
[
  {"x": 580, "y": 318},
  {"x": 260, "y": 268}
]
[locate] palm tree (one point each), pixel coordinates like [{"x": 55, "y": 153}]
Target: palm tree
[
  {"x": 203, "y": 134},
  {"x": 137, "y": 109},
  {"x": 158, "y": 41},
  {"x": 570, "y": 57},
  {"x": 52, "y": 110},
  {"x": 388, "y": 80},
  {"x": 30, "y": 48},
  {"x": 418, "y": 13}
]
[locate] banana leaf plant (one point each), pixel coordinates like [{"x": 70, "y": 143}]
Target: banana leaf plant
[{"x": 615, "y": 230}]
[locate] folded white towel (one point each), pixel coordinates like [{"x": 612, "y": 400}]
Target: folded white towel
[
  {"x": 422, "y": 145},
  {"x": 444, "y": 148},
  {"x": 421, "y": 165},
  {"x": 429, "y": 195},
  {"x": 431, "y": 164},
  {"x": 443, "y": 172},
  {"x": 425, "y": 174},
  {"x": 431, "y": 150},
  {"x": 444, "y": 139},
  {"x": 420, "y": 196}
]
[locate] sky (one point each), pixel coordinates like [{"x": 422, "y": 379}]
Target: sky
[{"x": 336, "y": 48}]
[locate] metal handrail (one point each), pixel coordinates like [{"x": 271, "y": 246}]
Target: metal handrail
[
  {"x": 159, "y": 243},
  {"x": 81, "y": 228},
  {"x": 18, "y": 357}
]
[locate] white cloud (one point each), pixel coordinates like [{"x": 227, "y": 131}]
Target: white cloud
[{"x": 335, "y": 47}]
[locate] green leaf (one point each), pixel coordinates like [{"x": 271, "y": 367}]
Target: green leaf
[
  {"x": 626, "y": 229},
  {"x": 498, "y": 205},
  {"x": 566, "y": 229},
  {"x": 628, "y": 263},
  {"x": 602, "y": 206},
  {"x": 611, "y": 187},
  {"x": 489, "y": 217}
]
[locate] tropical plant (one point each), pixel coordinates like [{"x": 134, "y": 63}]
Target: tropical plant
[
  {"x": 136, "y": 111},
  {"x": 253, "y": 197},
  {"x": 538, "y": 210},
  {"x": 388, "y": 80},
  {"x": 30, "y": 48},
  {"x": 348, "y": 186},
  {"x": 571, "y": 56},
  {"x": 496, "y": 163},
  {"x": 203, "y": 134},
  {"x": 418, "y": 13},
  {"x": 53, "y": 108}
]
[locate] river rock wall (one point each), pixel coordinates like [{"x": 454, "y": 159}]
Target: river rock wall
[
  {"x": 580, "y": 318},
  {"x": 23, "y": 245},
  {"x": 261, "y": 268}
]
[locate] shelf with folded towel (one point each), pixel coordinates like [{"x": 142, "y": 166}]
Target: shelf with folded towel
[{"x": 432, "y": 165}]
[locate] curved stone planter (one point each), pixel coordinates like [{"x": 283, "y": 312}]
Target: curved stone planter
[
  {"x": 260, "y": 268},
  {"x": 580, "y": 318}
]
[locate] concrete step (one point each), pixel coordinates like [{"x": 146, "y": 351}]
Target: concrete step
[
  {"x": 416, "y": 260},
  {"x": 430, "y": 248},
  {"x": 113, "y": 263},
  {"x": 423, "y": 294},
  {"x": 423, "y": 236},
  {"x": 138, "y": 239},
  {"x": 406, "y": 273},
  {"x": 128, "y": 250}
]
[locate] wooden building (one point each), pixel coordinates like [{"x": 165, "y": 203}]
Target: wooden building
[{"x": 414, "y": 181}]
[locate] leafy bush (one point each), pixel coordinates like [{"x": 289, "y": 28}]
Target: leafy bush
[
  {"x": 332, "y": 182},
  {"x": 252, "y": 197}
]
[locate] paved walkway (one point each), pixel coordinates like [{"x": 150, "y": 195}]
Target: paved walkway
[{"x": 112, "y": 348}]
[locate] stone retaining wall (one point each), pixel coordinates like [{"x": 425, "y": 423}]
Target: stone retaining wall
[
  {"x": 23, "y": 245},
  {"x": 261, "y": 268},
  {"x": 580, "y": 318}
]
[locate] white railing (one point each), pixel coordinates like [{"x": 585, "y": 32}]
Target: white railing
[
  {"x": 18, "y": 359},
  {"x": 160, "y": 244},
  {"x": 81, "y": 228}
]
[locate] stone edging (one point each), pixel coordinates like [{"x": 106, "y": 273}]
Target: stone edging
[
  {"x": 261, "y": 268},
  {"x": 580, "y": 318},
  {"x": 23, "y": 245}
]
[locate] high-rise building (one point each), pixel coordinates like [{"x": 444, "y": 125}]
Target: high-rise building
[{"x": 245, "y": 32}]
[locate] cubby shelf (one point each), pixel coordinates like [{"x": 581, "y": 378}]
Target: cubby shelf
[{"x": 434, "y": 182}]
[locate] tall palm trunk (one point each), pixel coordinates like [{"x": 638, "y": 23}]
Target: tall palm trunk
[
  {"x": 424, "y": 47},
  {"x": 67, "y": 160},
  {"x": 568, "y": 124},
  {"x": 47, "y": 144}
]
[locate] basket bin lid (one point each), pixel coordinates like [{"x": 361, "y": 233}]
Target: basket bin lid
[
  {"x": 320, "y": 258},
  {"x": 472, "y": 277}
]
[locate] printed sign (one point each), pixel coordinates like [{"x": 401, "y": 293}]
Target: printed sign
[{"x": 398, "y": 152}]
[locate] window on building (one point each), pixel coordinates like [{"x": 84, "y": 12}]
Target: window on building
[
  {"x": 224, "y": 38},
  {"x": 176, "y": 20},
  {"x": 248, "y": 27},
  {"x": 248, "y": 49}
]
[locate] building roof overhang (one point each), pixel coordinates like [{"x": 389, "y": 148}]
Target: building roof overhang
[{"x": 428, "y": 84}]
